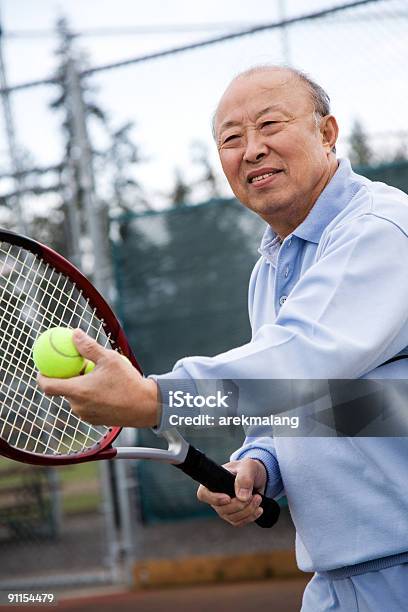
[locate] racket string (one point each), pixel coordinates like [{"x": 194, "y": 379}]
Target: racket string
[
  {"x": 33, "y": 297},
  {"x": 15, "y": 329},
  {"x": 12, "y": 358},
  {"x": 63, "y": 440},
  {"x": 47, "y": 313},
  {"x": 87, "y": 328},
  {"x": 62, "y": 412}
]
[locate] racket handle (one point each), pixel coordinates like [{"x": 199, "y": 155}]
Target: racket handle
[{"x": 219, "y": 480}]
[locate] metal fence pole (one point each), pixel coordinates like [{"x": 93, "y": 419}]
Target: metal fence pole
[
  {"x": 11, "y": 144},
  {"x": 284, "y": 33},
  {"x": 102, "y": 280},
  {"x": 83, "y": 154}
]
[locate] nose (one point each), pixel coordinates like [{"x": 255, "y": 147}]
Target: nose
[{"x": 256, "y": 148}]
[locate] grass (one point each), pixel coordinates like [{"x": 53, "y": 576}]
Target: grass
[
  {"x": 79, "y": 472},
  {"x": 81, "y": 503},
  {"x": 79, "y": 484}
]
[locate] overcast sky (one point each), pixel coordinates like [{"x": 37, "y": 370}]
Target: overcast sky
[{"x": 360, "y": 62}]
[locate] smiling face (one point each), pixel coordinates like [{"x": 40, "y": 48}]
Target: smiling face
[{"x": 276, "y": 158}]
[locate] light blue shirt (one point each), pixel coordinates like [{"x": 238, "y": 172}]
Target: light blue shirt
[{"x": 329, "y": 302}]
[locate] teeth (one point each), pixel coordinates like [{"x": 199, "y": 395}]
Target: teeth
[{"x": 262, "y": 176}]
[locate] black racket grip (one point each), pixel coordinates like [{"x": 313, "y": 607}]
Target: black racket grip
[{"x": 218, "y": 479}]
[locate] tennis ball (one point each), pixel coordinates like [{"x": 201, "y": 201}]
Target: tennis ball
[
  {"x": 89, "y": 366},
  {"x": 55, "y": 354}
]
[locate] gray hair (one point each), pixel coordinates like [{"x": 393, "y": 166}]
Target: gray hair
[{"x": 318, "y": 95}]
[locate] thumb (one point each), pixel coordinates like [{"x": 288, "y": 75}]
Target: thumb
[
  {"x": 244, "y": 481},
  {"x": 87, "y": 346}
]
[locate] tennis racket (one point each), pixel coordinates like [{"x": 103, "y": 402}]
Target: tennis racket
[{"x": 40, "y": 289}]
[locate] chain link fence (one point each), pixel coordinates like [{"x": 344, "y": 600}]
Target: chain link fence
[{"x": 52, "y": 526}]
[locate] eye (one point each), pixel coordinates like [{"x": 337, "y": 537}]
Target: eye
[
  {"x": 269, "y": 124},
  {"x": 230, "y": 138}
]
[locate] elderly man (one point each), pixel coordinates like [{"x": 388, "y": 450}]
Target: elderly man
[{"x": 327, "y": 300}]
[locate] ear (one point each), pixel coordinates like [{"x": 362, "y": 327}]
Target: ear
[{"x": 329, "y": 131}]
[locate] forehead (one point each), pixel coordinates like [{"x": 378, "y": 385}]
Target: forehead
[{"x": 248, "y": 95}]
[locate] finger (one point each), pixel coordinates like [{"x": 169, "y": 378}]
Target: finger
[
  {"x": 217, "y": 499},
  {"x": 244, "y": 481},
  {"x": 87, "y": 346},
  {"x": 249, "y": 519},
  {"x": 57, "y": 386},
  {"x": 237, "y": 509},
  {"x": 213, "y": 499},
  {"x": 235, "y": 515}
]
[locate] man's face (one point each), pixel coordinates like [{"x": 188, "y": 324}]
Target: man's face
[{"x": 271, "y": 151}]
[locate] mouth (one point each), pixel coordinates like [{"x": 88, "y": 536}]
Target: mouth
[{"x": 263, "y": 176}]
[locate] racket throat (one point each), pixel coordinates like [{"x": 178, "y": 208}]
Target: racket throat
[{"x": 176, "y": 451}]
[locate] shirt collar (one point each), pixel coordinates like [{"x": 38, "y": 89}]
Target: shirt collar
[
  {"x": 270, "y": 245},
  {"x": 328, "y": 205}
]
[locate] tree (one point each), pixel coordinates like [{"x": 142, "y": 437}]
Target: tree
[
  {"x": 181, "y": 190},
  {"x": 360, "y": 152},
  {"x": 99, "y": 176},
  {"x": 116, "y": 163},
  {"x": 401, "y": 153},
  {"x": 208, "y": 179}
]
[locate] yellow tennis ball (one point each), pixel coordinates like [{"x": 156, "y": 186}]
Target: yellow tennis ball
[
  {"x": 89, "y": 366},
  {"x": 55, "y": 354}
]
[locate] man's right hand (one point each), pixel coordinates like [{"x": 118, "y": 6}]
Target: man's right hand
[{"x": 244, "y": 507}]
